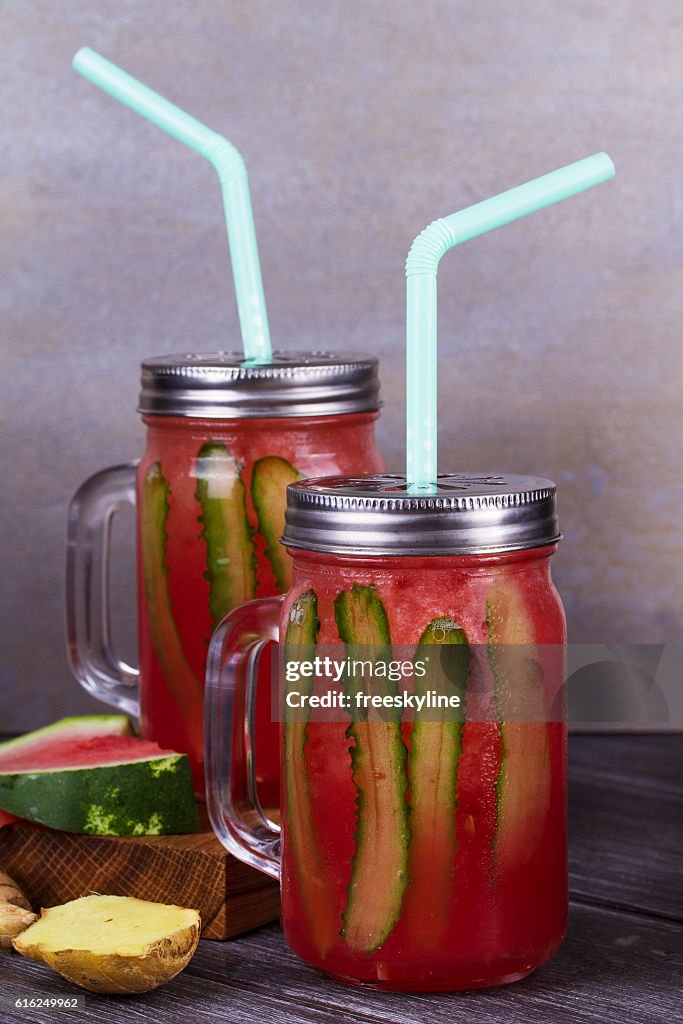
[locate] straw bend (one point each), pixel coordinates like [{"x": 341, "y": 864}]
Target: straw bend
[
  {"x": 428, "y": 248},
  {"x": 224, "y": 158}
]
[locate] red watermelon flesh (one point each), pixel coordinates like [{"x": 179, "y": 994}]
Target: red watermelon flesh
[
  {"x": 64, "y": 752},
  {"x": 77, "y": 742}
]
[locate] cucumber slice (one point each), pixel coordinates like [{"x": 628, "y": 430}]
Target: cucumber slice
[
  {"x": 300, "y": 640},
  {"x": 269, "y": 479},
  {"x": 379, "y": 873},
  {"x": 433, "y": 772},
  {"x": 186, "y": 689},
  {"x": 230, "y": 557},
  {"x": 524, "y": 780}
]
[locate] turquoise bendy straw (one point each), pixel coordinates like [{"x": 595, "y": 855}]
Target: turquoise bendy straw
[
  {"x": 228, "y": 163},
  {"x": 421, "y": 267}
]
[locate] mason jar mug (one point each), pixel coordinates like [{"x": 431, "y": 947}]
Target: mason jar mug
[
  {"x": 224, "y": 438},
  {"x": 418, "y": 848}
]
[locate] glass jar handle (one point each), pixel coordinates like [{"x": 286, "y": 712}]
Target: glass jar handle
[
  {"x": 236, "y": 814},
  {"x": 88, "y": 622}
]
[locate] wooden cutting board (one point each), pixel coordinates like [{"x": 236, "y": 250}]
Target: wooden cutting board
[{"x": 191, "y": 870}]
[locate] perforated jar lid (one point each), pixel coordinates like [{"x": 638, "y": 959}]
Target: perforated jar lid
[
  {"x": 470, "y": 513},
  {"x": 221, "y": 385}
]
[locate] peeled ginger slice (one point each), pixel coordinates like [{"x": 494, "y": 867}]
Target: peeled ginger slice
[{"x": 113, "y": 944}]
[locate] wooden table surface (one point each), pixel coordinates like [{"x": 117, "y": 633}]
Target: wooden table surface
[{"x": 622, "y": 961}]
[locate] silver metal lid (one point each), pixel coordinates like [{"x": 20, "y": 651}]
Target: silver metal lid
[
  {"x": 470, "y": 513},
  {"x": 221, "y": 385}
]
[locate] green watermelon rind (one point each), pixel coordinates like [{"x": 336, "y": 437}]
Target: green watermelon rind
[
  {"x": 153, "y": 796},
  {"x": 78, "y": 726}
]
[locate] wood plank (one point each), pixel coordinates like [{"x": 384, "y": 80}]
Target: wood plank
[
  {"x": 626, "y": 822},
  {"x": 643, "y": 761},
  {"x": 614, "y": 966},
  {"x": 190, "y": 870}
]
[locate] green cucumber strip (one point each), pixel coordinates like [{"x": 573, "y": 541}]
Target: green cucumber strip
[
  {"x": 269, "y": 479},
  {"x": 154, "y": 796},
  {"x": 183, "y": 685},
  {"x": 524, "y": 779},
  {"x": 230, "y": 558},
  {"x": 300, "y": 640},
  {"x": 362, "y": 622},
  {"x": 379, "y": 872},
  {"x": 433, "y": 773}
]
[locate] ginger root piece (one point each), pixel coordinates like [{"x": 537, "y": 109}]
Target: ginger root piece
[
  {"x": 11, "y": 893},
  {"x": 13, "y": 921},
  {"x": 113, "y": 944}
]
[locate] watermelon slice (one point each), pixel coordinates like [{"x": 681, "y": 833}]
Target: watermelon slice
[{"x": 92, "y": 775}]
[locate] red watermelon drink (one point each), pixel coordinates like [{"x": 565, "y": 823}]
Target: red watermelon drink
[
  {"x": 224, "y": 439},
  {"x": 424, "y": 853}
]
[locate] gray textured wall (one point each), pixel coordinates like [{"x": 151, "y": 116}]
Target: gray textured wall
[{"x": 360, "y": 122}]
